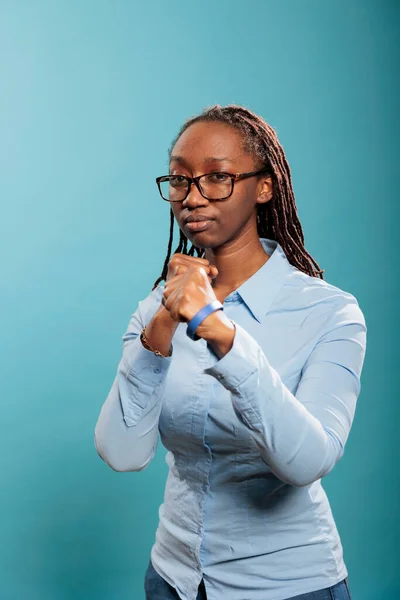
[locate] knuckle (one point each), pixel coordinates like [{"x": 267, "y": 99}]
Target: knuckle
[
  {"x": 186, "y": 296},
  {"x": 174, "y": 259},
  {"x": 201, "y": 272},
  {"x": 202, "y": 263}
]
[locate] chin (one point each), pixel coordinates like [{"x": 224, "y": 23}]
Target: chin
[{"x": 201, "y": 241}]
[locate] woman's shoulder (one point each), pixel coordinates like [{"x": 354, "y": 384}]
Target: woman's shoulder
[{"x": 319, "y": 295}]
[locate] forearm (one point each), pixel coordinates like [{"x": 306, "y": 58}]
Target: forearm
[
  {"x": 291, "y": 440},
  {"x": 300, "y": 437},
  {"x": 127, "y": 429}
]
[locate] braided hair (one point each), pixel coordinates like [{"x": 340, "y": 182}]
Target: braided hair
[{"x": 277, "y": 219}]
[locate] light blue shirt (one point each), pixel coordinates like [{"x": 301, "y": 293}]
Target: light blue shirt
[{"x": 249, "y": 436}]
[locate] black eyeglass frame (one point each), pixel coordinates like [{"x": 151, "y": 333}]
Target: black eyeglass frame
[{"x": 190, "y": 180}]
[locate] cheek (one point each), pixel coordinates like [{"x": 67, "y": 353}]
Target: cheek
[
  {"x": 238, "y": 212},
  {"x": 230, "y": 220}
]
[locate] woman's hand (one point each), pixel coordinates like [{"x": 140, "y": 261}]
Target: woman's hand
[
  {"x": 187, "y": 290},
  {"x": 180, "y": 263},
  {"x": 188, "y": 286},
  {"x": 162, "y": 327}
]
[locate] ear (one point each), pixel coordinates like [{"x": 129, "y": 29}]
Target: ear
[{"x": 264, "y": 190}]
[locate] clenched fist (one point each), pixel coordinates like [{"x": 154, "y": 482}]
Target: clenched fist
[{"x": 188, "y": 286}]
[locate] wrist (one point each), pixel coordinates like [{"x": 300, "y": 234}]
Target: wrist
[
  {"x": 218, "y": 331},
  {"x": 159, "y": 332},
  {"x": 164, "y": 320},
  {"x": 211, "y": 328}
]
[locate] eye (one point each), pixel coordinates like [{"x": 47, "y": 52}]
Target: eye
[
  {"x": 218, "y": 177},
  {"x": 177, "y": 180}
]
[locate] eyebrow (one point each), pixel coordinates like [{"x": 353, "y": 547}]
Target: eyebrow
[{"x": 208, "y": 159}]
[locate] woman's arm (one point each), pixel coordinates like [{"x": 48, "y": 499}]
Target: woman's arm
[
  {"x": 300, "y": 437},
  {"x": 126, "y": 433}
]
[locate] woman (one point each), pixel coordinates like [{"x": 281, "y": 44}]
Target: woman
[{"x": 248, "y": 364}]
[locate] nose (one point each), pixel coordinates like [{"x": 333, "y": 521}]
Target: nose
[{"x": 194, "y": 197}]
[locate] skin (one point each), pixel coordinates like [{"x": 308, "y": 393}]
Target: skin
[{"x": 233, "y": 251}]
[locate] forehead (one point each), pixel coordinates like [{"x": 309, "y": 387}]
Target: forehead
[{"x": 205, "y": 139}]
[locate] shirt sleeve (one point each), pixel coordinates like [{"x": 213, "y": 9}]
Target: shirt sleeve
[
  {"x": 126, "y": 433},
  {"x": 300, "y": 437}
]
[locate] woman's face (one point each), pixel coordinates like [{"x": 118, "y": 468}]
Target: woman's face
[{"x": 215, "y": 147}]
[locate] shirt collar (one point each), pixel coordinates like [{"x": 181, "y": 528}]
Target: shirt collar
[{"x": 259, "y": 291}]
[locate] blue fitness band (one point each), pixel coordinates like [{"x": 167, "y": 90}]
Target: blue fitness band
[{"x": 200, "y": 316}]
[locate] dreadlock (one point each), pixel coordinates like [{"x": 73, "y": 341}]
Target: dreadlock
[{"x": 277, "y": 219}]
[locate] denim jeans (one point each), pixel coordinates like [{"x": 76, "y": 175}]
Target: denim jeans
[{"x": 157, "y": 588}]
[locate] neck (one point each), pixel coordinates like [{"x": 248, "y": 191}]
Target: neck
[{"x": 236, "y": 262}]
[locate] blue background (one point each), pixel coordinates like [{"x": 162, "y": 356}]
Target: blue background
[{"x": 91, "y": 94}]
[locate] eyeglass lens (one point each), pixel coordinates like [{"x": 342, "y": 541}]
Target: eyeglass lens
[{"x": 214, "y": 186}]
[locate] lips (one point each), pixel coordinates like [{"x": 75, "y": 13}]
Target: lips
[
  {"x": 197, "y": 226},
  {"x": 197, "y": 222},
  {"x": 196, "y": 218}
]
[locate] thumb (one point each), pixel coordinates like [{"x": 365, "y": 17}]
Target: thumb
[{"x": 213, "y": 271}]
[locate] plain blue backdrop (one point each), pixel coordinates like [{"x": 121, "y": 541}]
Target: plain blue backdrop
[{"x": 91, "y": 94}]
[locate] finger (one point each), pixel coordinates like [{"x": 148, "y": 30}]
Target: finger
[
  {"x": 170, "y": 305},
  {"x": 213, "y": 272},
  {"x": 172, "y": 281},
  {"x": 183, "y": 269},
  {"x": 180, "y": 269},
  {"x": 189, "y": 259},
  {"x": 167, "y": 302},
  {"x": 163, "y": 301},
  {"x": 186, "y": 262}
]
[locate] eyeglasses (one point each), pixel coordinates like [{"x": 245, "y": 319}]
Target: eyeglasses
[{"x": 212, "y": 186}]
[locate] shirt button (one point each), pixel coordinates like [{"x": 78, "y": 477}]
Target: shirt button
[{"x": 156, "y": 370}]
